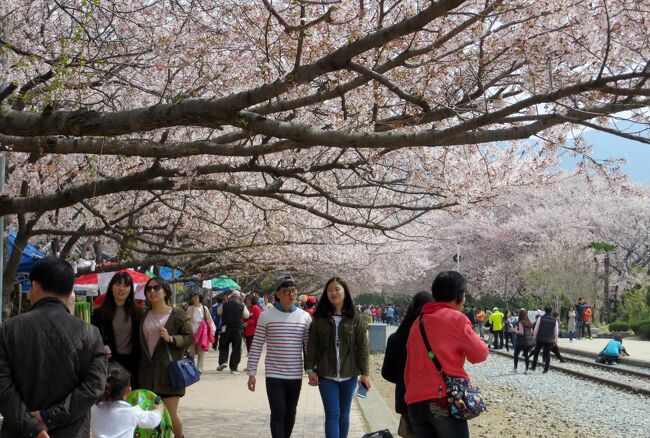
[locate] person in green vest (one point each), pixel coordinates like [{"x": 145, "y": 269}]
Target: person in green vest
[{"x": 496, "y": 321}]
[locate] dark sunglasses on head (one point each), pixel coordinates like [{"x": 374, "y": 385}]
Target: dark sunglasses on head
[{"x": 155, "y": 288}]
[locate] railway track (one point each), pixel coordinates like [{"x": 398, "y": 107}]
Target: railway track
[{"x": 640, "y": 386}]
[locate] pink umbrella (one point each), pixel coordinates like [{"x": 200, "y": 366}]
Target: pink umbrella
[{"x": 95, "y": 281}]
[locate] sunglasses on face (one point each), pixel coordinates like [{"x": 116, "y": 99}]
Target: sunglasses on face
[{"x": 153, "y": 287}]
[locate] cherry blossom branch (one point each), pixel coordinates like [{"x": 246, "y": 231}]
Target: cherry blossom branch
[
  {"x": 415, "y": 100},
  {"x": 288, "y": 28}
]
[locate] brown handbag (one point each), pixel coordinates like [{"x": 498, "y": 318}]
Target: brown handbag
[{"x": 404, "y": 430}]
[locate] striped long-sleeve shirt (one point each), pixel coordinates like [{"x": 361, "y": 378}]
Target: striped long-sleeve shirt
[{"x": 285, "y": 334}]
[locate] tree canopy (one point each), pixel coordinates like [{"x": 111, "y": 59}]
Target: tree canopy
[{"x": 239, "y": 126}]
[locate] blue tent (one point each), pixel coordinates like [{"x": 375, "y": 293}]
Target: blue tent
[{"x": 30, "y": 254}]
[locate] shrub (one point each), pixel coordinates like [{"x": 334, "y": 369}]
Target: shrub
[
  {"x": 619, "y": 326},
  {"x": 644, "y": 330},
  {"x": 635, "y": 325}
]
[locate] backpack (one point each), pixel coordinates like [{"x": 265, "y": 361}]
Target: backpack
[{"x": 586, "y": 315}]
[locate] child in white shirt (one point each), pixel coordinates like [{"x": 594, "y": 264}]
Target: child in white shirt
[{"x": 112, "y": 417}]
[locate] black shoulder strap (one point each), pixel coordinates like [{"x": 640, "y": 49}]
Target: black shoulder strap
[{"x": 430, "y": 352}]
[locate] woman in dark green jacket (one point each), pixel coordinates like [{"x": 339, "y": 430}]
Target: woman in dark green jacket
[
  {"x": 337, "y": 353},
  {"x": 164, "y": 332}
]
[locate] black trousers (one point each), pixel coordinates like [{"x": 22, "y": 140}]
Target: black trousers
[
  {"x": 518, "y": 349},
  {"x": 498, "y": 339},
  {"x": 546, "y": 354},
  {"x": 427, "y": 425},
  {"x": 228, "y": 337},
  {"x": 283, "y": 397},
  {"x": 556, "y": 352}
]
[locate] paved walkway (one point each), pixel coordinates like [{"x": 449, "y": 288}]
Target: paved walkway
[{"x": 221, "y": 406}]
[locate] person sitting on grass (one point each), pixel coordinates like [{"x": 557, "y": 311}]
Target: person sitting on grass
[{"x": 612, "y": 351}]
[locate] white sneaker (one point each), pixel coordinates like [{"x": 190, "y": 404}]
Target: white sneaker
[{"x": 234, "y": 372}]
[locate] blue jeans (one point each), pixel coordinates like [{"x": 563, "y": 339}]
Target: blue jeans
[{"x": 337, "y": 399}]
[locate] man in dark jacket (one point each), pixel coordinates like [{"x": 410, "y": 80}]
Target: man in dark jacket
[
  {"x": 52, "y": 364},
  {"x": 546, "y": 334},
  {"x": 233, "y": 313}
]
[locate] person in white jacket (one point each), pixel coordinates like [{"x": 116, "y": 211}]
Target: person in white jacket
[{"x": 112, "y": 417}]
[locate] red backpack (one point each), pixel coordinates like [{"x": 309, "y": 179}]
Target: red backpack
[{"x": 586, "y": 315}]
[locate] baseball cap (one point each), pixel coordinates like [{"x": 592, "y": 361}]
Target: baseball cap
[
  {"x": 311, "y": 299},
  {"x": 235, "y": 294},
  {"x": 495, "y": 309},
  {"x": 283, "y": 280}
]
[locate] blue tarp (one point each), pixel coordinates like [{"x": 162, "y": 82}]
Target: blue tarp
[
  {"x": 166, "y": 273},
  {"x": 30, "y": 254}
]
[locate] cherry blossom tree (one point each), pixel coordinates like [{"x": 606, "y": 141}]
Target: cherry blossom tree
[{"x": 238, "y": 126}]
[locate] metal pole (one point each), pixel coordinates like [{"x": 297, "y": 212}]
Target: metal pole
[
  {"x": 2, "y": 236},
  {"x": 3, "y": 83},
  {"x": 174, "y": 285}
]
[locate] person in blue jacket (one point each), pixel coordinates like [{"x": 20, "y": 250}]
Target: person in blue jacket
[{"x": 612, "y": 351}]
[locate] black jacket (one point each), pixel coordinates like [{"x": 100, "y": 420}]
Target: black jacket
[
  {"x": 107, "y": 333},
  {"x": 393, "y": 367},
  {"x": 52, "y": 362}
]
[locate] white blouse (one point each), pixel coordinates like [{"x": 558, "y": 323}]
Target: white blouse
[{"x": 119, "y": 419}]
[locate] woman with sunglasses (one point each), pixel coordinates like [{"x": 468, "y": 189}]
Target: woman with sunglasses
[
  {"x": 337, "y": 354},
  {"x": 164, "y": 332},
  {"x": 118, "y": 321}
]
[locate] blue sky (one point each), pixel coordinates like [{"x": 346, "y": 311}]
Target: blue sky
[{"x": 610, "y": 146}]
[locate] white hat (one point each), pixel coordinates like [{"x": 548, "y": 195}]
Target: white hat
[
  {"x": 495, "y": 309},
  {"x": 235, "y": 294}
]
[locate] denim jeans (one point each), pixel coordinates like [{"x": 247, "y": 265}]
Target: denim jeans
[
  {"x": 337, "y": 399},
  {"x": 427, "y": 425}
]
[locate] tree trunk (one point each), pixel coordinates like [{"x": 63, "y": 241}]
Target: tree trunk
[
  {"x": 606, "y": 289},
  {"x": 11, "y": 267}
]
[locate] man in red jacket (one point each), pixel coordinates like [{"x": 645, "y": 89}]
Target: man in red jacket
[{"x": 452, "y": 340}]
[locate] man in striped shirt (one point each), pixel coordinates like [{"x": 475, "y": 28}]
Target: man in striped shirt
[{"x": 285, "y": 329}]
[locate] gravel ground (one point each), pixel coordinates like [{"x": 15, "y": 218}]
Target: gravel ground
[{"x": 544, "y": 405}]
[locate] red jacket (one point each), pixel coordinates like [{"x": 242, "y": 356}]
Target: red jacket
[
  {"x": 251, "y": 322},
  {"x": 452, "y": 339}
]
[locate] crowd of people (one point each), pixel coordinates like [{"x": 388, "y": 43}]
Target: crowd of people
[
  {"x": 387, "y": 313},
  {"x": 89, "y": 369}
]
